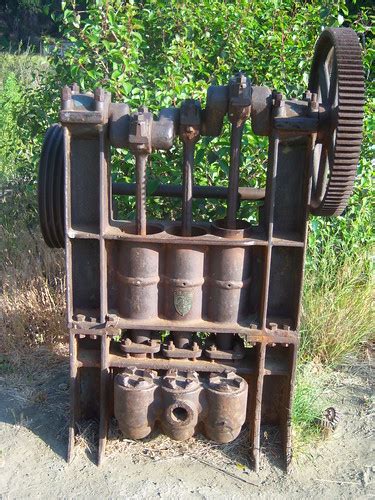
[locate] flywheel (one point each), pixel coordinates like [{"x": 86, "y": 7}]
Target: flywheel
[
  {"x": 337, "y": 78},
  {"x": 51, "y": 188}
]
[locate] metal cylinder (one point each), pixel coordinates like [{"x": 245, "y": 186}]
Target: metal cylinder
[
  {"x": 180, "y": 396},
  {"x": 183, "y": 282},
  {"x": 229, "y": 280},
  {"x": 138, "y": 276},
  {"x": 134, "y": 402},
  {"x": 226, "y": 396}
]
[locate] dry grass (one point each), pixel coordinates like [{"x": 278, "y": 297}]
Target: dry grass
[
  {"x": 338, "y": 312},
  {"x": 32, "y": 301}
]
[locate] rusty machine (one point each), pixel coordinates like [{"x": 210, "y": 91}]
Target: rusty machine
[{"x": 141, "y": 293}]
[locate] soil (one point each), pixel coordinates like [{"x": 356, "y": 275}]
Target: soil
[{"x": 33, "y": 441}]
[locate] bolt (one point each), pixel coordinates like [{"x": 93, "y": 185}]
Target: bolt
[
  {"x": 314, "y": 104},
  {"x": 195, "y": 346},
  {"x": 94, "y": 337},
  {"x": 92, "y": 319},
  {"x": 99, "y": 94},
  {"x": 273, "y": 344},
  {"x": 286, "y": 345},
  {"x": 152, "y": 342},
  {"x": 273, "y": 326},
  {"x": 80, "y": 317},
  {"x": 253, "y": 326},
  {"x": 171, "y": 345},
  {"x": 111, "y": 317},
  {"x": 143, "y": 109},
  {"x": 81, "y": 336},
  {"x": 75, "y": 87},
  {"x": 213, "y": 347},
  {"x": 307, "y": 95},
  {"x": 127, "y": 342},
  {"x": 279, "y": 100},
  {"x": 286, "y": 327},
  {"x": 66, "y": 93}
]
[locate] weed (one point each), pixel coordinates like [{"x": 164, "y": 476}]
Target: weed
[{"x": 337, "y": 315}]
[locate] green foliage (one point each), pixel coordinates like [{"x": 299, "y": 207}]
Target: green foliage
[
  {"x": 309, "y": 402},
  {"x": 25, "y": 101}
]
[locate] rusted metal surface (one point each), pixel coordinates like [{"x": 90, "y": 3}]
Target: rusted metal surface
[
  {"x": 181, "y": 402},
  {"x": 187, "y": 324}
]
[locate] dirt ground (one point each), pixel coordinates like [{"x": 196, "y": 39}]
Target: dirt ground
[{"x": 33, "y": 442}]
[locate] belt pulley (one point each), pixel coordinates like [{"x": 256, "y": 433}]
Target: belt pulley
[
  {"x": 51, "y": 188},
  {"x": 337, "y": 78}
]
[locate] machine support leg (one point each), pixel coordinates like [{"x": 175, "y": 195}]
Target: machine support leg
[
  {"x": 74, "y": 400},
  {"x": 286, "y": 420},
  {"x": 104, "y": 397},
  {"x": 255, "y": 431}
]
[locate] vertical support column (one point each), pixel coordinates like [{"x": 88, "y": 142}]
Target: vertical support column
[
  {"x": 257, "y": 406},
  {"x": 67, "y": 222},
  {"x": 286, "y": 417},
  {"x": 74, "y": 392},
  {"x": 305, "y": 231},
  {"x": 104, "y": 396},
  {"x": 270, "y": 206},
  {"x": 104, "y": 219}
]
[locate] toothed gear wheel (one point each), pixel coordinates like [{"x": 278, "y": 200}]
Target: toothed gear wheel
[
  {"x": 51, "y": 188},
  {"x": 330, "y": 418},
  {"x": 337, "y": 78}
]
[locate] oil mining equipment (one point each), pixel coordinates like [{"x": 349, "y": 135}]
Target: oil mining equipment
[{"x": 187, "y": 325}]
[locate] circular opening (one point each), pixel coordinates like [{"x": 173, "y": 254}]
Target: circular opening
[
  {"x": 195, "y": 231},
  {"x": 239, "y": 224},
  {"x": 151, "y": 228},
  {"x": 242, "y": 228},
  {"x": 180, "y": 414}
]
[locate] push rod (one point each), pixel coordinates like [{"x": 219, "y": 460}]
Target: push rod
[
  {"x": 187, "y": 188},
  {"x": 234, "y": 174},
  {"x": 140, "y": 207}
]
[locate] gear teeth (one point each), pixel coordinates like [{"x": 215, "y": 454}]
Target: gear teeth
[{"x": 349, "y": 125}]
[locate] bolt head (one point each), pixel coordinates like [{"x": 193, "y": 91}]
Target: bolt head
[
  {"x": 170, "y": 345},
  {"x": 66, "y": 93},
  {"x": 99, "y": 94}
]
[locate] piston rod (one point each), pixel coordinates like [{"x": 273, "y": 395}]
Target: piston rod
[
  {"x": 238, "y": 112},
  {"x": 190, "y": 118},
  {"x": 140, "y": 146}
]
